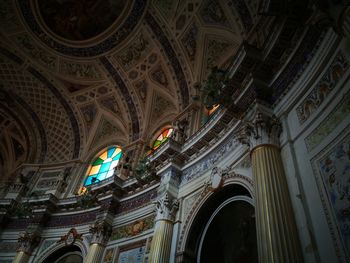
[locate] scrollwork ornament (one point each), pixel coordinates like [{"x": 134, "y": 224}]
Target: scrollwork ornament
[{"x": 166, "y": 208}]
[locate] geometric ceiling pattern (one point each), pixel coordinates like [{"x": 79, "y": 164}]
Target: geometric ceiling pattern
[{"x": 134, "y": 67}]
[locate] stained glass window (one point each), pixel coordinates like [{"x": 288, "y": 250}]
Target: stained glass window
[
  {"x": 103, "y": 166},
  {"x": 213, "y": 109},
  {"x": 162, "y": 137}
]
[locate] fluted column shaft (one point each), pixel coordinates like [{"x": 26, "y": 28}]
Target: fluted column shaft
[
  {"x": 161, "y": 242},
  {"x": 21, "y": 257},
  {"x": 276, "y": 229},
  {"x": 94, "y": 254},
  {"x": 163, "y": 232},
  {"x": 277, "y": 234}
]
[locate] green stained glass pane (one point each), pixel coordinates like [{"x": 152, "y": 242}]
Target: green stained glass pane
[
  {"x": 98, "y": 161},
  {"x": 117, "y": 157},
  {"x": 105, "y": 167},
  {"x": 157, "y": 143}
]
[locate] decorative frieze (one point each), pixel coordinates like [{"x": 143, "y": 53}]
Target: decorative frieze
[
  {"x": 335, "y": 118},
  {"x": 209, "y": 161},
  {"x": 133, "y": 229},
  {"x": 321, "y": 91}
]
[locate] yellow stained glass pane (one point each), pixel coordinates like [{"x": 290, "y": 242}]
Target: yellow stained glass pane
[
  {"x": 94, "y": 169},
  {"x": 82, "y": 190},
  {"x": 103, "y": 156}
]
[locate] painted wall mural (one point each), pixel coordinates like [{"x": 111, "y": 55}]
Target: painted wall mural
[
  {"x": 108, "y": 257},
  {"x": 133, "y": 229},
  {"x": 339, "y": 113},
  {"x": 332, "y": 170},
  {"x": 327, "y": 83}
]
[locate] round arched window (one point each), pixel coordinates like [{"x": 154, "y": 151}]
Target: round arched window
[
  {"x": 103, "y": 166},
  {"x": 161, "y": 138}
]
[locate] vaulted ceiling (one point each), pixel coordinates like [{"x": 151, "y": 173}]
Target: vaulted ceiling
[{"x": 76, "y": 74}]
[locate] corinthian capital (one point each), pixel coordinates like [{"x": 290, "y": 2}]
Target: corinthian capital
[
  {"x": 166, "y": 208},
  {"x": 101, "y": 231},
  {"x": 28, "y": 241},
  {"x": 263, "y": 129}
]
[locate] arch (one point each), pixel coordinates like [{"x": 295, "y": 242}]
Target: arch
[
  {"x": 208, "y": 202},
  {"x": 231, "y": 232},
  {"x": 46, "y": 255}
]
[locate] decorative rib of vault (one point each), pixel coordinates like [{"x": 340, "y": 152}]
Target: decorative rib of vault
[{"x": 132, "y": 74}]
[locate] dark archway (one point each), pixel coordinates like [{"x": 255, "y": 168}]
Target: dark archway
[
  {"x": 230, "y": 235},
  {"x": 223, "y": 229},
  {"x": 67, "y": 254}
]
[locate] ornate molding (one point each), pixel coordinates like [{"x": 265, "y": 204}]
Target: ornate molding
[
  {"x": 216, "y": 179},
  {"x": 70, "y": 237},
  {"x": 101, "y": 231},
  {"x": 264, "y": 129},
  {"x": 166, "y": 208}
]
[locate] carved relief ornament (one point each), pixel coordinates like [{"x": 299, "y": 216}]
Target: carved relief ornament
[
  {"x": 27, "y": 242},
  {"x": 70, "y": 237},
  {"x": 166, "y": 208},
  {"x": 263, "y": 129},
  {"x": 101, "y": 232}
]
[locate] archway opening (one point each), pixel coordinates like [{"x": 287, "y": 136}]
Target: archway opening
[
  {"x": 224, "y": 229},
  {"x": 67, "y": 254},
  {"x": 230, "y": 234}
]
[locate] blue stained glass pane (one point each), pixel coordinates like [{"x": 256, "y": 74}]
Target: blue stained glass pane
[
  {"x": 105, "y": 167},
  {"x": 88, "y": 180},
  {"x": 110, "y": 151},
  {"x": 117, "y": 156},
  {"x": 101, "y": 177}
]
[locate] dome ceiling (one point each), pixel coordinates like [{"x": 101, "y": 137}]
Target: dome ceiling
[{"x": 94, "y": 72}]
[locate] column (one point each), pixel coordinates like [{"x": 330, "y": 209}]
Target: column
[
  {"x": 277, "y": 234},
  {"x": 101, "y": 231},
  {"x": 163, "y": 232},
  {"x": 27, "y": 242}
]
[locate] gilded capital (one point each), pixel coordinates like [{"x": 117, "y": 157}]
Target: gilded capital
[
  {"x": 166, "y": 208},
  {"x": 263, "y": 129},
  {"x": 101, "y": 231}
]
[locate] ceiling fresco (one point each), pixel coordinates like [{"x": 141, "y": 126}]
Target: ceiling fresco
[
  {"x": 79, "y": 20},
  {"x": 129, "y": 66}
]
